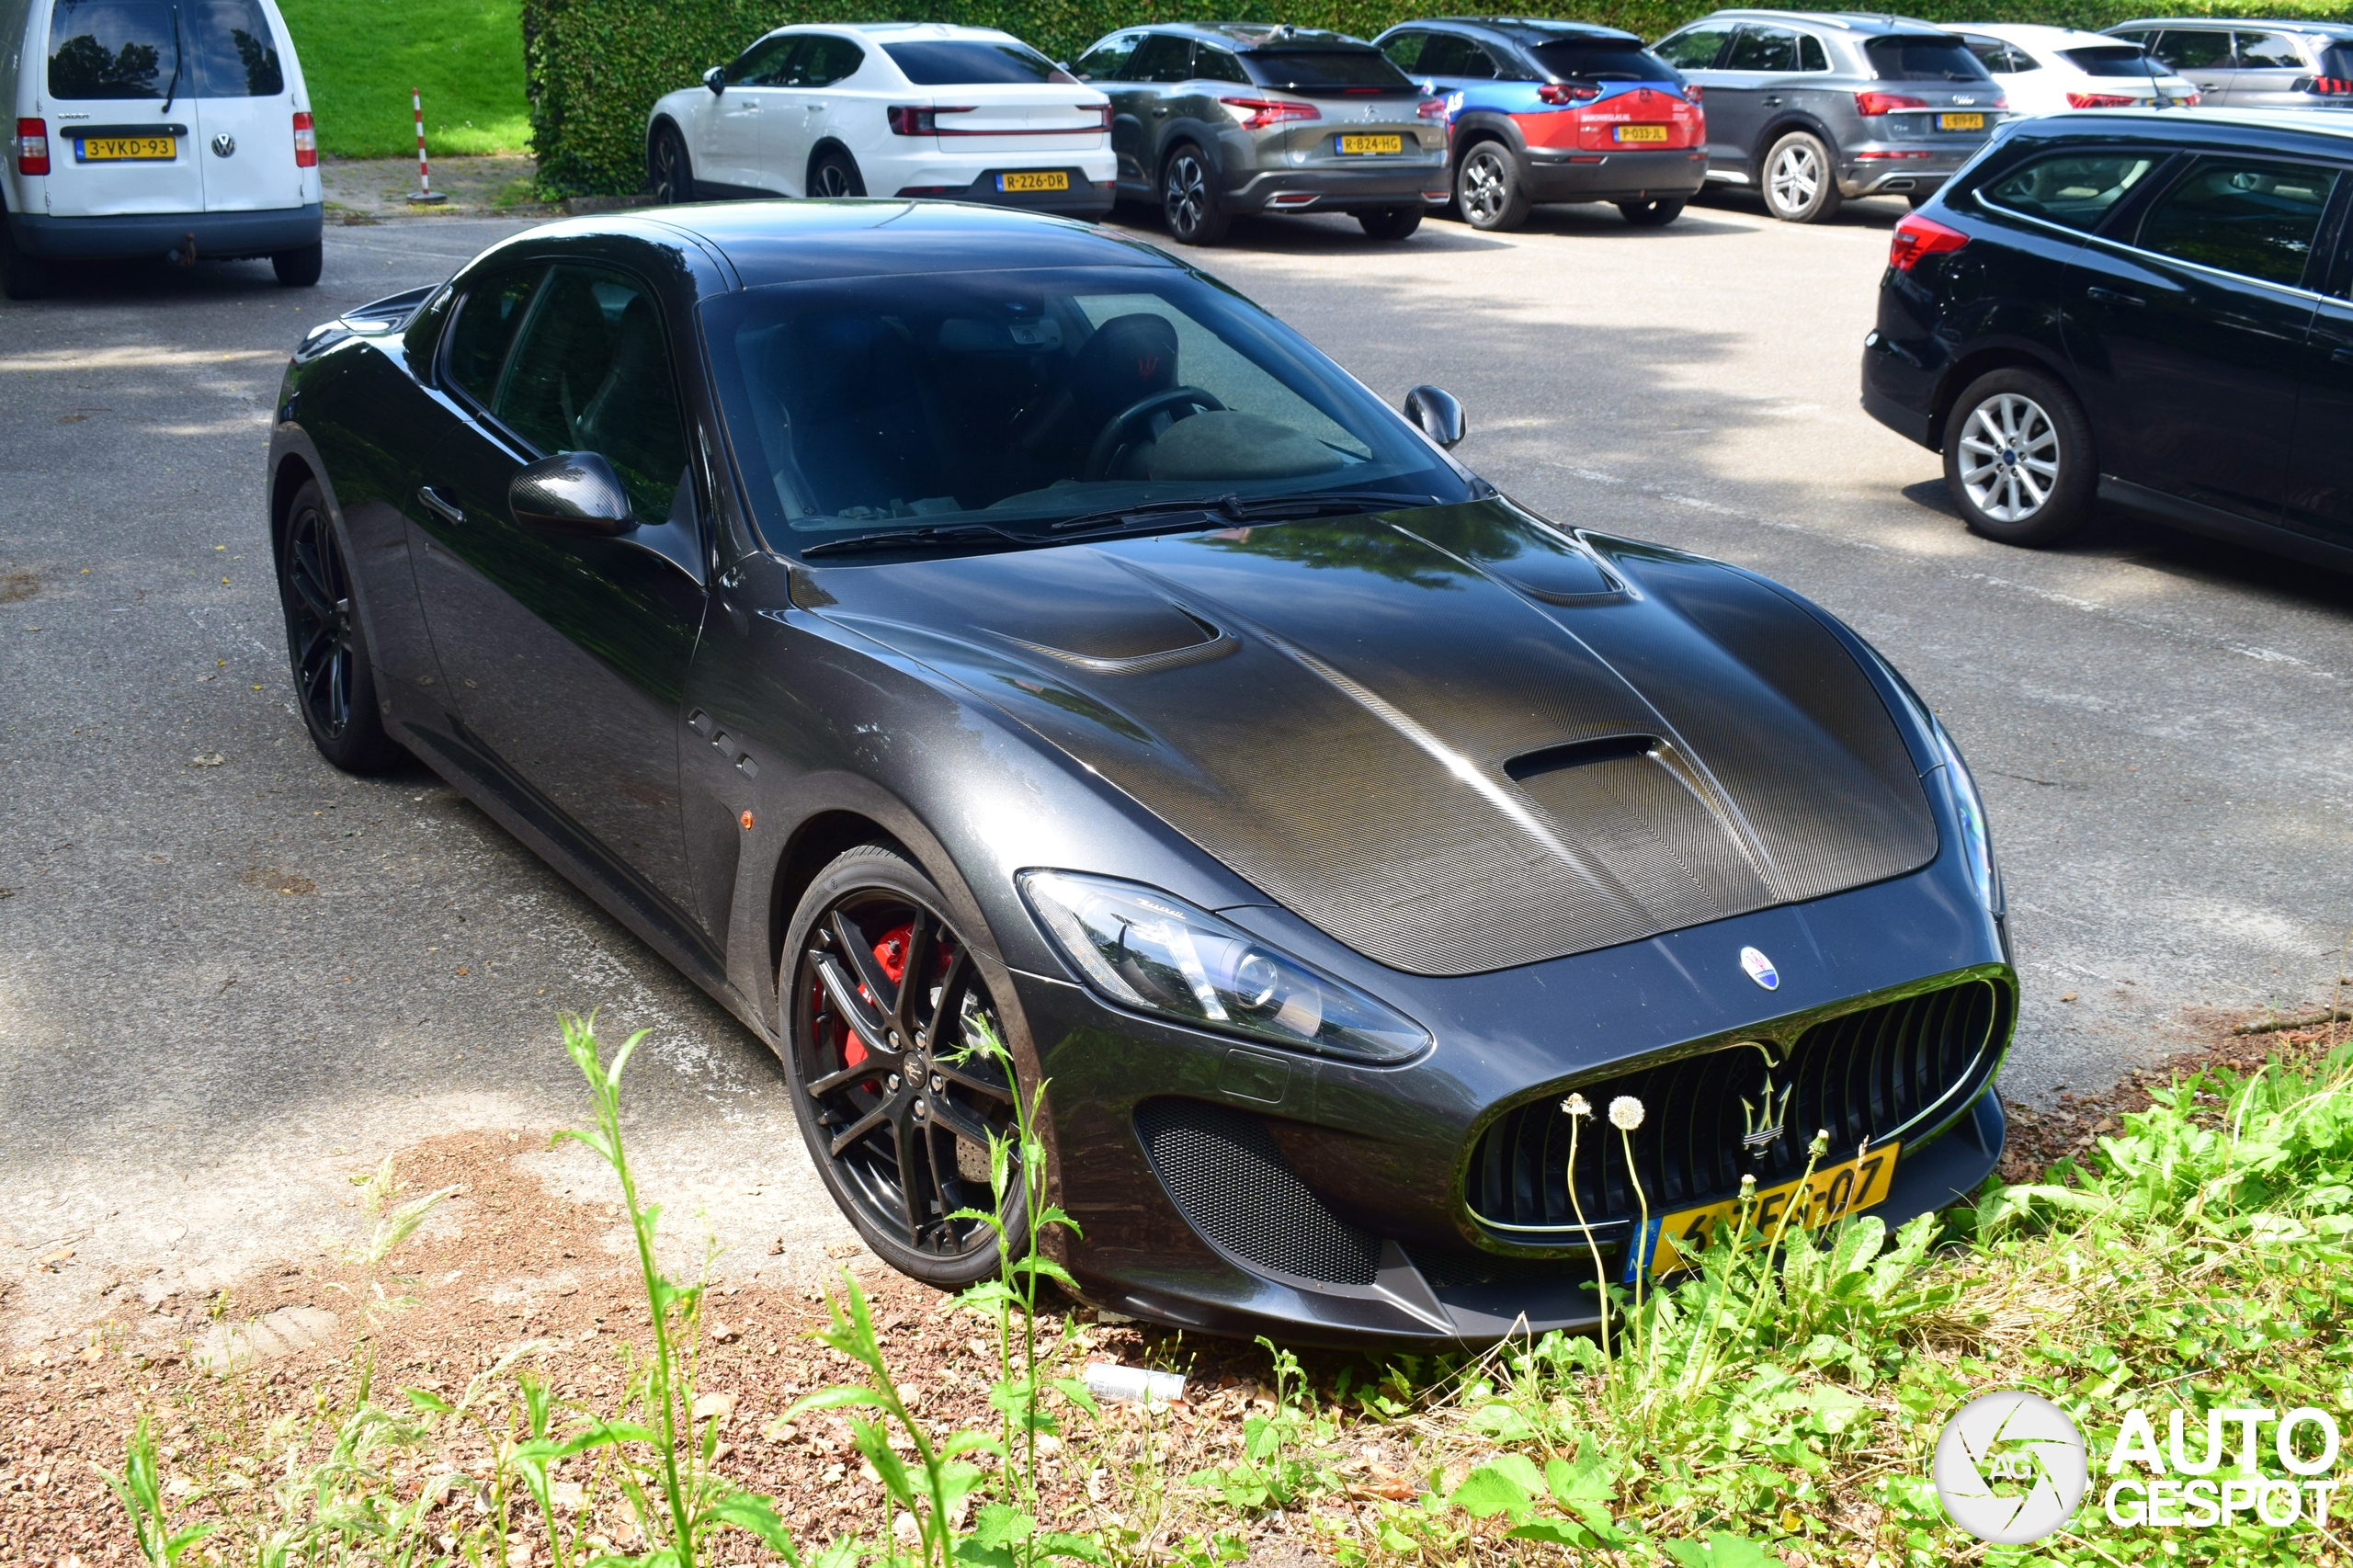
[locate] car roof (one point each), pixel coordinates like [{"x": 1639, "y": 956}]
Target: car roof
[
  {"x": 2283, "y": 121},
  {"x": 1246, "y": 36},
  {"x": 2033, "y": 32},
  {"x": 1518, "y": 29},
  {"x": 2268, "y": 24},
  {"x": 1867, "y": 23}
]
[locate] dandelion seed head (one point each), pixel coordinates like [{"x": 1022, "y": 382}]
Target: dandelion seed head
[
  {"x": 1577, "y": 1105},
  {"x": 1625, "y": 1113}
]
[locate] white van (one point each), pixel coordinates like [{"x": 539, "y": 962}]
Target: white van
[{"x": 168, "y": 128}]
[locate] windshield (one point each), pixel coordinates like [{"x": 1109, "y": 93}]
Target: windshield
[
  {"x": 1916, "y": 57},
  {"x": 1017, "y": 400},
  {"x": 1602, "y": 59},
  {"x": 964, "y": 63},
  {"x": 2113, "y": 60},
  {"x": 1306, "y": 71}
]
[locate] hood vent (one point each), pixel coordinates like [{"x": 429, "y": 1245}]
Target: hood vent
[{"x": 1579, "y": 754}]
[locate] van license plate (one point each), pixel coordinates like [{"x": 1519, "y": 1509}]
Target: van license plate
[
  {"x": 123, "y": 149},
  {"x": 1354, "y": 145},
  {"x": 1639, "y": 132},
  {"x": 1961, "y": 123},
  {"x": 1037, "y": 179}
]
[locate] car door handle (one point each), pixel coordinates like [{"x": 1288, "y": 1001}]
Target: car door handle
[
  {"x": 1159, "y": 109},
  {"x": 2341, "y": 356},
  {"x": 440, "y": 505},
  {"x": 2113, "y": 297},
  {"x": 1773, "y": 103}
]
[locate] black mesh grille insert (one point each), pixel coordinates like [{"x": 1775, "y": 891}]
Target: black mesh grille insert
[
  {"x": 1233, "y": 1186},
  {"x": 1866, "y": 1074}
]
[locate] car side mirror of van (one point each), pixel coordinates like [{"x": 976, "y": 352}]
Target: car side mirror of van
[
  {"x": 571, "y": 493},
  {"x": 716, "y": 78},
  {"x": 1439, "y": 413}
]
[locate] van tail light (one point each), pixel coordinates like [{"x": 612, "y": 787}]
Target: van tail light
[
  {"x": 306, "y": 142},
  {"x": 32, "y": 147},
  {"x": 1883, "y": 103},
  {"x": 1918, "y": 237},
  {"x": 917, "y": 119},
  {"x": 1430, "y": 109},
  {"x": 2101, "y": 100},
  {"x": 1568, "y": 93},
  {"x": 1256, "y": 113}
]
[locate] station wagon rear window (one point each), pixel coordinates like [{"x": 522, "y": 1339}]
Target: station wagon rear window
[
  {"x": 1308, "y": 71},
  {"x": 111, "y": 49},
  {"x": 1916, "y": 57},
  {"x": 2112, "y": 60},
  {"x": 964, "y": 63}
]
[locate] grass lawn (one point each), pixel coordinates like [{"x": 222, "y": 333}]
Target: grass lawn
[{"x": 361, "y": 57}]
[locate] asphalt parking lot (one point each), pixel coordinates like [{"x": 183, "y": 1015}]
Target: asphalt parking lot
[{"x": 230, "y": 978}]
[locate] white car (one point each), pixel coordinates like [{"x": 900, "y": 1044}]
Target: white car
[
  {"x": 2052, "y": 70},
  {"x": 887, "y": 109},
  {"x": 173, "y": 129}
]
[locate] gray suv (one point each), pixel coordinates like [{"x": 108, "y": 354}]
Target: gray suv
[
  {"x": 1214, "y": 118},
  {"x": 1811, "y": 107},
  {"x": 2253, "y": 65}
]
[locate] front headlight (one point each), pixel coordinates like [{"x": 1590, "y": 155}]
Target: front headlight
[
  {"x": 1141, "y": 948},
  {"x": 1976, "y": 839}
]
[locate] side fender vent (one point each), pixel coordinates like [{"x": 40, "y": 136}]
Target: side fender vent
[{"x": 1232, "y": 1184}]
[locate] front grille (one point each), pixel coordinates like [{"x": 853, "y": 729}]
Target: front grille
[
  {"x": 1233, "y": 1184},
  {"x": 1871, "y": 1074}
]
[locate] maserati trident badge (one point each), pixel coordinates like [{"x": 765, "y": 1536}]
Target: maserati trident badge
[
  {"x": 1763, "y": 1118},
  {"x": 1760, "y": 969}
]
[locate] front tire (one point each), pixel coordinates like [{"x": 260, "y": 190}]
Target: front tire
[
  {"x": 835, "y": 175},
  {"x": 1651, "y": 214},
  {"x": 669, "y": 172},
  {"x": 896, "y": 1109},
  {"x": 1800, "y": 180},
  {"x": 1390, "y": 223},
  {"x": 299, "y": 269},
  {"x": 334, "y": 680},
  {"x": 1488, "y": 191},
  {"x": 1188, "y": 198},
  {"x": 2018, "y": 459}
]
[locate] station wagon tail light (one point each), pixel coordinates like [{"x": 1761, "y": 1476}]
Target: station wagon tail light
[
  {"x": 2101, "y": 100},
  {"x": 1430, "y": 109},
  {"x": 306, "y": 142},
  {"x": 1918, "y": 237},
  {"x": 1568, "y": 93},
  {"x": 1886, "y": 103},
  {"x": 32, "y": 147},
  {"x": 915, "y": 119},
  {"x": 1256, "y": 113}
]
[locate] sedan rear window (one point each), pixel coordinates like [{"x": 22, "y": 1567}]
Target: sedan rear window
[
  {"x": 1307, "y": 71},
  {"x": 1602, "y": 59},
  {"x": 2074, "y": 188},
  {"x": 111, "y": 49},
  {"x": 1916, "y": 57},
  {"x": 2112, "y": 60},
  {"x": 964, "y": 63}
]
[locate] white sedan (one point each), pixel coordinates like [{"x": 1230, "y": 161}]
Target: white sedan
[
  {"x": 887, "y": 109},
  {"x": 2052, "y": 70}
]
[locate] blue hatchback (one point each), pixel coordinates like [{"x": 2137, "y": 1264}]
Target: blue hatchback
[{"x": 1556, "y": 111}]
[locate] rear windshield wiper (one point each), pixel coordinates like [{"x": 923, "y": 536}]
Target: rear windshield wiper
[
  {"x": 913, "y": 538},
  {"x": 1232, "y": 508}
]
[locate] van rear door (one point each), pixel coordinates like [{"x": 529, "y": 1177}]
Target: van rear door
[
  {"x": 121, "y": 121},
  {"x": 240, "y": 69}
]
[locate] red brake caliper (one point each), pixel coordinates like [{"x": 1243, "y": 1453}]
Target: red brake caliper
[{"x": 891, "y": 952}]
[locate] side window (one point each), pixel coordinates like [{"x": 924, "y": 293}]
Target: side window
[
  {"x": 1107, "y": 61},
  {"x": 1693, "y": 49},
  {"x": 1764, "y": 49},
  {"x": 111, "y": 49},
  {"x": 2193, "y": 49},
  {"x": 1162, "y": 57},
  {"x": 821, "y": 62},
  {"x": 487, "y": 316},
  {"x": 235, "y": 53},
  {"x": 1405, "y": 53},
  {"x": 2256, "y": 219},
  {"x": 1812, "y": 56},
  {"x": 591, "y": 374},
  {"x": 762, "y": 65},
  {"x": 2074, "y": 188},
  {"x": 1217, "y": 66},
  {"x": 2268, "y": 52},
  {"x": 1450, "y": 55}
]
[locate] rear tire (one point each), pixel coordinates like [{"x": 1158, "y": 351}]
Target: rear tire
[
  {"x": 22, "y": 277},
  {"x": 2018, "y": 459},
  {"x": 835, "y": 175},
  {"x": 1390, "y": 223},
  {"x": 1651, "y": 214},
  {"x": 1188, "y": 198},
  {"x": 669, "y": 172},
  {"x": 1800, "y": 180},
  {"x": 334, "y": 680},
  {"x": 299, "y": 269},
  {"x": 1488, "y": 191}
]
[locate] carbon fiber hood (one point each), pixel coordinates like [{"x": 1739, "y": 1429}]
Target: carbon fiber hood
[{"x": 1448, "y": 737}]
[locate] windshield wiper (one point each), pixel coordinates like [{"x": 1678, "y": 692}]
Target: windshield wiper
[
  {"x": 912, "y": 538},
  {"x": 1231, "y": 508}
]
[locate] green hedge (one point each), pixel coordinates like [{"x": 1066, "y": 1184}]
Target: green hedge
[{"x": 594, "y": 67}]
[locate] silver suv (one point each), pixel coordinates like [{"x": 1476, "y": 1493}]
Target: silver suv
[
  {"x": 1813, "y": 107},
  {"x": 1222, "y": 117},
  {"x": 2253, "y": 65}
]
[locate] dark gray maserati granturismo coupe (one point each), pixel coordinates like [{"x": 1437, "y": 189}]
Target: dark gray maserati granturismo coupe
[{"x": 902, "y": 613}]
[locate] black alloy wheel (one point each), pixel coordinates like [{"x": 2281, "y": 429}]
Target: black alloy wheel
[
  {"x": 897, "y": 1107},
  {"x": 333, "y": 674},
  {"x": 1390, "y": 223},
  {"x": 833, "y": 175},
  {"x": 669, "y": 171},
  {"x": 1655, "y": 214},
  {"x": 1487, "y": 188},
  {"x": 1188, "y": 198}
]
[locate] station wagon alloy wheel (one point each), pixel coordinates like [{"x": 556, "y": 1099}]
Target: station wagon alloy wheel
[
  {"x": 2009, "y": 457},
  {"x": 2018, "y": 457}
]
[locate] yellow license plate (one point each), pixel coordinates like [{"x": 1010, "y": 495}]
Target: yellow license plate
[
  {"x": 1041, "y": 180},
  {"x": 1961, "y": 123},
  {"x": 1372, "y": 143},
  {"x": 1832, "y": 1194},
  {"x": 117, "y": 149},
  {"x": 1639, "y": 133}
]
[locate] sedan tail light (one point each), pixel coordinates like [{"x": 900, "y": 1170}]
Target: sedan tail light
[
  {"x": 1430, "y": 109},
  {"x": 2101, "y": 100},
  {"x": 1883, "y": 103},
  {"x": 306, "y": 143},
  {"x": 1568, "y": 93},
  {"x": 1256, "y": 113},
  {"x": 32, "y": 147},
  {"x": 1916, "y": 236},
  {"x": 916, "y": 120}
]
